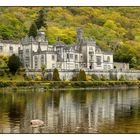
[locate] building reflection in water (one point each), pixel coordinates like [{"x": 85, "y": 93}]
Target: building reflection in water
[{"x": 67, "y": 111}]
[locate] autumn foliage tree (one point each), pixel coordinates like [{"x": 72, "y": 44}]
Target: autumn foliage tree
[{"x": 115, "y": 29}]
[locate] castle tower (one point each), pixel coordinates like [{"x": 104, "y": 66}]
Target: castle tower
[{"x": 41, "y": 36}]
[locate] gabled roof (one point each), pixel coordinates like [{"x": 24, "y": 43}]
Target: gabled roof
[{"x": 97, "y": 49}]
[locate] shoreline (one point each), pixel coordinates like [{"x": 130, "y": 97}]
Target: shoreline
[{"x": 42, "y": 86}]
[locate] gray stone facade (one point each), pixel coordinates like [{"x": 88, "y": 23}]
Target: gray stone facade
[
  {"x": 68, "y": 59},
  {"x": 85, "y": 54},
  {"x": 110, "y": 75}
]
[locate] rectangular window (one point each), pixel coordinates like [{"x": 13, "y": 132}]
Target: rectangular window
[
  {"x": 76, "y": 66},
  {"x": 27, "y": 51},
  {"x": 42, "y": 59},
  {"x": 1, "y": 48},
  {"x": 53, "y": 57},
  {"x": 90, "y": 57},
  {"x": 98, "y": 60},
  {"x": 27, "y": 61},
  {"x": 105, "y": 67},
  {"x": 53, "y": 66},
  {"x": 58, "y": 51},
  {"x": 36, "y": 62},
  {"x": 50, "y": 49},
  {"x": 71, "y": 56},
  {"x": 76, "y": 57},
  {"x": 68, "y": 56},
  {"x": 11, "y": 49}
]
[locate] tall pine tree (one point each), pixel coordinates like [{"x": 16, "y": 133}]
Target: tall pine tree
[
  {"x": 40, "y": 21},
  {"x": 33, "y": 30}
]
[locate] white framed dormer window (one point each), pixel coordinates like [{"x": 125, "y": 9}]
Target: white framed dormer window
[
  {"x": 11, "y": 49},
  {"x": 1, "y": 48}
]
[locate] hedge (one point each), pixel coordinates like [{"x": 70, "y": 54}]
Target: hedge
[{"x": 73, "y": 84}]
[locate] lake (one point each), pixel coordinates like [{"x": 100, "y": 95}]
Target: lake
[{"x": 93, "y": 111}]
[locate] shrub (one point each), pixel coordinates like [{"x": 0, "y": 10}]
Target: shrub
[
  {"x": 103, "y": 78},
  {"x": 95, "y": 77},
  {"x": 7, "y": 71},
  {"x": 28, "y": 78},
  {"x": 2, "y": 72},
  {"x": 74, "y": 78},
  {"x": 22, "y": 69},
  {"x": 122, "y": 78},
  {"x": 38, "y": 77},
  {"x": 82, "y": 75},
  {"x": 56, "y": 85},
  {"x": 88, "y": 77},
  {"x": 56, "y": 75},
  {"x": 13, "y": 63},
  {"x": 139, "y": 78},
  {"x": 4, "y": 84},
  {"x": 113, "y": 77}
]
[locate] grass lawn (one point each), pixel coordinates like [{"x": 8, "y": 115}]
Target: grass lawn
[{"x": 14, "y": 78}]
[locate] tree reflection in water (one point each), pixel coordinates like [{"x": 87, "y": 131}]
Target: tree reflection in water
[{"x": 97, "y": 111}]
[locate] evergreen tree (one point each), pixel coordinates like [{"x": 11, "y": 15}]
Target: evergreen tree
[
  {"x": 14, "y": 63},
  {"x": 40, "y": 21},
  {"x": 122, "y": 78},
  {"x": 56, "y": 75},
  {"x": 133, "y": 62},
  {"x": 33, "y": 30},
  {"x": 82, "y": 75},
  {"x": 43, "y": 69}
]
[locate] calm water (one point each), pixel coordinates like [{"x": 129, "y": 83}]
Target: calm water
[{"x": 104, "y": 111}]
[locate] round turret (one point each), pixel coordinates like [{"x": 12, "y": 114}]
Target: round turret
[{"x": 41, "y": 36}]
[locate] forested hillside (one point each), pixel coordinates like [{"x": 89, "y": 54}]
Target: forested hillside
[{"x": 114, "y": 28}]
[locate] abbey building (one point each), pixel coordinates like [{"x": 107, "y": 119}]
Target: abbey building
[
  {"x": 34, "y": 53},
  {"x": 84, "y": 54}
]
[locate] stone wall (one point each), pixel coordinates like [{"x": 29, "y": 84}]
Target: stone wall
[
  {"x": 67, "y": 75},
  {"x": 121, "y": 66}
]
